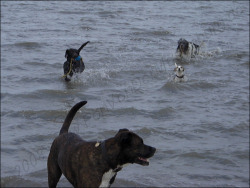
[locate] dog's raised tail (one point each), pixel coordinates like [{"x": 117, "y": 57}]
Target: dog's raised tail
[
  {"x": 70, "y": 116},
  {"x": 82, "y": 46}
]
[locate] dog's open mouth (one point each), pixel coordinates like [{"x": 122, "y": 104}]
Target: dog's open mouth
[{"x": 142, "y": 161}]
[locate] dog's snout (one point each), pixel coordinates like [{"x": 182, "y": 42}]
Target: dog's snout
[
  {"x": 152, "y": 150},
  {"x": 179, "y": 69}
]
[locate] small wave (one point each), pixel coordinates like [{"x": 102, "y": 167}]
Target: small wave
[
  {"x": 28, "y": 45},
  {"x": 88, "y": 28},
  {"x": 144, "y": 34},
  {"x": 241, "y": 154},
  {"x": 71, "y": 12},
  {"x": 33, "y": 114},
  {"x": 16, "y": 181},
  {"x": 144, "y": 131},
  {"x": 212, "y": 29},
  {"x": 201, "y": 177},
  {"x": 213, "y": 23},
  {"x": 193, "y": 154},
  {"x": 204, "y": 53},
  {"x": 130, "y": 111},
  {"x": 202, "y": 85},
  {"x": 209, "y": 54},
  {"x": 92, "y": 77},
  {"x": 237, "y": 55},
  {"x": 160, "y": 33},
  {"x": 17, "y": 68},
  {"x": 240, "y": 128},
  {"x": 36, "y": 94},
  {"x": 9, "y": 151},
  {"x": 162, "y": 113},
  {"x": 127, "y": 183},
  {"x": 171, "y": 86},
  {"x": 208, "y": 155},
  {"x": 205, "y": 7},
  {"x": 190, "y": 85},
  {"x": 99, "y": 74},
  {"x": 107, "y": 14},
  {"x": 40, "y": 64},
  {"x": 31, "y": 139}
]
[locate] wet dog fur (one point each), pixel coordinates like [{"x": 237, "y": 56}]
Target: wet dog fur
[
  {"x": 187, "y": 49},
  {"x": 73, "y": 57},
  {"x": 93, "y": 164},
  {"x": 179, "y": 73}
]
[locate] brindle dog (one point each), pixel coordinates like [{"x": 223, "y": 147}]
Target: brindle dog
[{"x": 93, "y": 164}]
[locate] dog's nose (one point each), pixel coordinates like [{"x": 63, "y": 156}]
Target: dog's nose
[{"x": 153, "y": 149}]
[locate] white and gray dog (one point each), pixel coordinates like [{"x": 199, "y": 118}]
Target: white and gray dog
[
  {"x": 187, "y": 49},
  {"x": 179, "y": 73}
]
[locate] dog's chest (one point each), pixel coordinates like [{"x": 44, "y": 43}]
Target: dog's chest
[
  {"x": 107, "y": 176},
  {"x": 179, "y": 79}
]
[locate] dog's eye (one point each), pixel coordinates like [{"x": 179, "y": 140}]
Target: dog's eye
[{"x": 138, "y": 142}]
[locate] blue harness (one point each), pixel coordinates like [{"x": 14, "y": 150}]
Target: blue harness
[{"x": 78, "y": 58}]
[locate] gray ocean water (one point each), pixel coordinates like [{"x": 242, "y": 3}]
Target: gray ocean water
[{"x": 200, "y": 127}]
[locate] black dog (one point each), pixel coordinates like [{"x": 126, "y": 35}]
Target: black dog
[
  {"x": 187, "y": 48},
  {"x": 74, "y": 63},
  {"x": 93, "y": 164}
]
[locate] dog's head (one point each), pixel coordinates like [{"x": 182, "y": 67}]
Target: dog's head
[
  {"x": 132, "y": 148},
  {"x": 182, "y": 45},
  {"x": 179, "y": 70},
  {"x": 74, "y": 53},
  {"x": 71, "y": 53}
]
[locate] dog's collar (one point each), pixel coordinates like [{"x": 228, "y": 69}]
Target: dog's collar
[
  {"x": 104, "y": 151},
  {"x": 179, "y": 76},
  {"x": 106, "y": 158},
  {"x": 78, "y": 58}
]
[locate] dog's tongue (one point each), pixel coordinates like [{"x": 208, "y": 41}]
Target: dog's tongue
[{"x": 143, "y": 159}]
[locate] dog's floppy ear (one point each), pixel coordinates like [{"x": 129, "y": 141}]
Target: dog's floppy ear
[
  {"x": 66, "y": 53},
  {"x": 122, "y": 130},
  {"x": 125, "y": 138}
]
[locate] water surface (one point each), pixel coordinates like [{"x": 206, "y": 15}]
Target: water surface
[{"x": 200, "y": 127}]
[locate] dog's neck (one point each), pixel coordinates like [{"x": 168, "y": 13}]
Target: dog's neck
[
  {"x": 108, "y": 160},
  {"x": 78, "y": 58},
  {"x": 182, "y": 76},
  {"x": 104, "y": 151}
]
